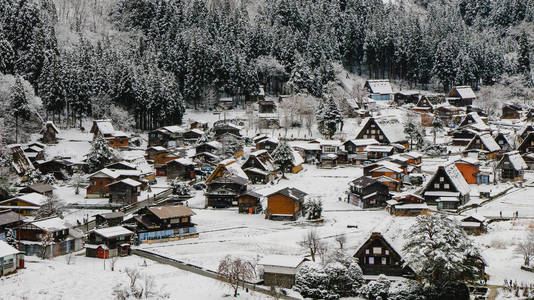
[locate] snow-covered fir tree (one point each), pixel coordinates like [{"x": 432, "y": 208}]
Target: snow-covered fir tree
[
  {"x": 19, "y": 105},
  {"x": 440, "y": 251},
  {"x": 283, "y": 157},
  {"x": 328, "y": 117},
  {"x": 100, "y": 155}
]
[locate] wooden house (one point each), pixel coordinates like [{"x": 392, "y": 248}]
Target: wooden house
[
  {"x": 249, "y": 202},
  {"x": 206, "y": 158},
  {"x": 259, "y": 167},
  {"x": 49, "y": 132},
  {"x": 193, "y": 135},
  {"x": 164, "y": 223},
  {"x": 35, "y": 152},
  {"x": 11, "y": 259},
  {"x": 367, "y": 192},
  {"x": 108, "y": 242},
  {"x": 124, "y": 191},
  {"x": 268, "y": 144},
  {"x": 529, "y": 116},
  {"x": 511, "y": 111},
  {"x": 99, "y": 183},
  {"x": 524, "y": 131},
  {"x": 231, "y": 144},
  {"x": 463, "y": 136},
  {"x": 280, "y": 270},
  {"x": 378, "y": 151},
  {"x": 19, "y": 161},
  {"x": 529, "y": 160},
  {"x": 379, "y": 89},
  {"x": 210, "y": 147},
  {"x": 423, "y": 105},
  {"x": 225, "y": 168},
  {"x": 182, "y": 168},
  {"x": 469, "y": 168},
  {"x": 266, "y": 106},
  {"x": 168, "y": 137},
  {"x": 64, "y": 240},
  {"x": 485, "y": 144},
  {"x": 109, "y": 219},
  {"x": 512, "y": 166},
  {"x": 285, "y": 204},
  {"x": 390, "y": 170},
  {"x": 377, "y": 256},
  {"x": 407, "y": 97},
  {"x": 309, "y": 151},
  {"x": 9, "y": 220},
  {"x": 25, "y": 204},
  {"x": 407, "y": 204},
  {"x": 226, "y": 128},
  {"x": 199, "y": 125},
  {"x": 447, "y": 113},
  {"x": 527, "y": 145},
  {"x": 474, "y": 224},
  {"x": 115, "y": 138},
  {"x": 330, "y": 153},
  {"x": 224, "y": 191},
  {"x": 473, "y": 118},
  {"x": 384, "y": 131},
  {"x": 40, "y": 188},
  {"x": 504, "y": 142},
  {"x": 61, "y": 169},
  {"x": 447, "y": 188},
  {"x": 461, "y": 96}
]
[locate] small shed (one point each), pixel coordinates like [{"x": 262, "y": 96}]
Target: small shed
[
  {"x": 250, "y": 203},
  {"x": 49, "y": 132},
  {"x": 280, "y": 270},
  {"x": 40, "y": 188},
  {"x": 474, "y": 224},
  {"x": 379, "y": 89},
  {"x": 124, "y": 191},
  {"x": 11, "y": 259},
  {"x": 108, "y": 242},
  {"x": 109, "y": 219},
  {"x": 285, "y": 204}
]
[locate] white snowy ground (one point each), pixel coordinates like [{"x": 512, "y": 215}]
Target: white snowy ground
[{"x": 86, "y": 279}]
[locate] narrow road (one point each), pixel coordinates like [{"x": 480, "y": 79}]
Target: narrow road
[{"x": 202, "y": 272}]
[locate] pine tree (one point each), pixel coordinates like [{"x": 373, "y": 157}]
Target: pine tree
[
  {"x": 100, "y": 154},
  {"x": 523, "y": 61},
  {"x": 19, "y": 105},
  {"x": 328, "y": 117},
  {"x": 437, "y": 125},
  {"x": 283, "y": 157},
  {"x": 440, "y": 252}
]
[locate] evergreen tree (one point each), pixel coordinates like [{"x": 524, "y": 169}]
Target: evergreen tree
[
  {"x": 523, "y": 61},
  {"x": 415, "y": 134},
  {"x": 19, "y": 105},
  {"x": 328, "y": 117},
  {"x": 283, "y": 157},
  {"x": 437, "y": 125},
  {"x": 440, "y": 252},
  {"x": 100, "y": 154}
]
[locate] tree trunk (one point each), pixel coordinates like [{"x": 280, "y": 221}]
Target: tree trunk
[{"x": 16, "y": 130}]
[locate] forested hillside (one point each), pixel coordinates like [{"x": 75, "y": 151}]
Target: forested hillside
[{"x": 152, "y": 57}]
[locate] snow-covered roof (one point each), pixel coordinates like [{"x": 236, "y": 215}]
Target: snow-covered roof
[
  {"x": 114, "y": 231},
  {"x": 441, "y": 194},
  {"x": 386, "y": 179},
  {"x": 157, "y": 148},
  {"x": 6, "y": 249},
  {"x": 516, "y": 160},
  {"x": 297, "y": 159},
  {"x": 477, "y": 217},
  {"x": 215, "y": 144},
  {"x": 467, "y": 160},
  {"x": 389, "y": 165},
  {"x": 197, "y": 131},
  {"x": 412, "y": 206},
  {"x": 286, "y": 261},
  {"x": 377, "y": 148},
  {"x": 185, "y": 161},
  {"x": 106, "y": 172},
  {"x": 32, "y": 198},
  {"x": 380, "y": 86},
  {"x": 128, "y": 181},
  {"x": 122, "y": 172},
  {"x": 465, "y": 91},
  {"x": 307, "y": 146},
  {"x": 105, "y": 127},
  {"x": 51, "y": 224},
  {"x": 457, "y": 179},
  {"x": 393, "y": 129},
  {"x": 49, "y": 124},
  {"x": 120, "y": 134},
  {"x": 174, "y": 129},
  {"x": 489, "y": 142},
  {"x": 363, "y": 142}
]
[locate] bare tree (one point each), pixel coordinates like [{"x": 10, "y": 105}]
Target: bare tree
[
  {"x": 341, "y": 240},
  {"x": 46, "y": 240},
  {"x": 113, "y": 262},
  {"x": 133, "y": 274},
  {"x": 526, "y": 248},
  {"x": 77, "y": 180},
  {"x": 53, "y": 206},
  {"x": 234, "y": 271},
  {"x": 312, "y": 243},
  {"x": 69, "y": 258}
]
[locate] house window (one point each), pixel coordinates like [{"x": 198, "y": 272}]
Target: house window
[
  {"x": 371, "y": 260},
  {"x": 501, "y": 142},
  {"x": 384, "y": 260},
  {"x": 365, "y": 136},
  {"x": 377, "y": 250},
  {"x": 373, "y": 131},
  {"x": 436, "y": 185},
  {"x": 446, "y": 185},
  {"x": 366, "y": 251},
  {"x": 441, "y": 179},
  {"x": 387, "y": 252}
]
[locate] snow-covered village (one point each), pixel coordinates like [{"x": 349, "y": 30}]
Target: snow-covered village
[{"x": 282, "y": 149}]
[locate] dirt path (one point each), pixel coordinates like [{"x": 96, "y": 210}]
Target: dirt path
[{"x": 493, "y": 292}]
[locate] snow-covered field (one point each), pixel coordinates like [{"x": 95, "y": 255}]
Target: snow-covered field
[{"x": 86, "y": 278}]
